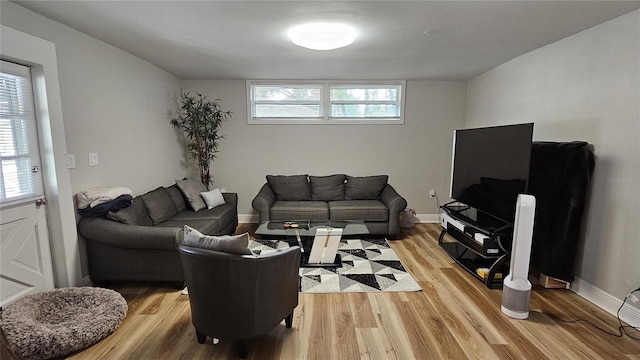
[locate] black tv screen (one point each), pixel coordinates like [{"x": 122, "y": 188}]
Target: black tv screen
[{"x": 490, "y": 167}]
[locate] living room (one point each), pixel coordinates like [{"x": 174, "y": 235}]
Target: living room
[{"x": 582, "y": 87}]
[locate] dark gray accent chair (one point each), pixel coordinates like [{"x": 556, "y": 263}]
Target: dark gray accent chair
[
  {"x": 336, "y": 197},
  {"x": 239, "y": 297},
  {"x": 139, "y": 243}
]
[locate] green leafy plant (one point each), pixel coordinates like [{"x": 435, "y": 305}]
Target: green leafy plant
[{"x": 200, "y": 119}]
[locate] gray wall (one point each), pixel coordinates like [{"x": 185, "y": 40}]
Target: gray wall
[
  {"x": 113, "y": 103},
  {"x": 584, "y": 87},
  {"x": 416, "y": 155}
]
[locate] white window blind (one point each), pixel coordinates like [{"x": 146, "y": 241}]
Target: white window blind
[{"x": 19, "y": 158}]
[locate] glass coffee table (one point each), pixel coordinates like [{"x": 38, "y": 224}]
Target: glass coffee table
[{"x": 303, "y": 233}]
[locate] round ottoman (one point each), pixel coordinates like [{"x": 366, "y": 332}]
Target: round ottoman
[{"x": 54, "y": 323}]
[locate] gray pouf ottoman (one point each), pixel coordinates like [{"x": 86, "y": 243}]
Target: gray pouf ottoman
[{"x": 54, "y": 323}]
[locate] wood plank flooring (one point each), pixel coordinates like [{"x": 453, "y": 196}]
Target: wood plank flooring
[{"x": 454, "y": 317}]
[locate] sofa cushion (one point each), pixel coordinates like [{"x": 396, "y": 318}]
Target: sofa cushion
[
  {"x": 365, "y": 210},
  {"x": 135, "y": 214},
  {"x": 159, "y": 205},
  {"x": 191, "y": 190},
  {"x": 234, "y": 244},
  {"x": 209, "y": 221},
  {"x": 206, "y": 226},
  {"x": 327, "y": 188},
  {"x": 290, "y": 188},
  {"x": 364, "y": 187},
  {"x": 177, "y": 197},
  {"x": 299, "y": 210},
  {"x": 213, "y": 198}
]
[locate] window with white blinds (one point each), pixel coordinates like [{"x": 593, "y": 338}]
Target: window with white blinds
[{"x": 19, "y": 158}]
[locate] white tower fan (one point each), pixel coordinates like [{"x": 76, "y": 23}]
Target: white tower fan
[{"x": 516, "y": 286}]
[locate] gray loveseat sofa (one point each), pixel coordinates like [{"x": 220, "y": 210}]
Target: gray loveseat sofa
[
  {"x": 332, "y": 198},
  {"x": 140, "y": 242}
]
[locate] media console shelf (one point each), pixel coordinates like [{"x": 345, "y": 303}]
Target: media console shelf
[{"x": 479, "y": 241}]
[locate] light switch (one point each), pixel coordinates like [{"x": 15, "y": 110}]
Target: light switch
[
  {"x": 71, "y": 160},
  {"x": 93, "y": 159}
]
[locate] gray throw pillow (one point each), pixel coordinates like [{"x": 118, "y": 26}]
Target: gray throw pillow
[
  {"x": 191, "y": 190},
  {"x": 177, "y": 197},
  {"x": 159, "y": 205},
  {"x": 290, "y": 188},
  {"x": 364, "y": 187},
  {"x": 233, "y": 244},
  {"x": 327, "y": 188},
  {"x": 136, "y": 214}
]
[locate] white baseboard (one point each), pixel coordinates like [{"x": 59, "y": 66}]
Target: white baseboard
[
  {"x": 248, "y": 218},
  {"x": 606, "y": 301},
  {"x": 428, "y": 218}
]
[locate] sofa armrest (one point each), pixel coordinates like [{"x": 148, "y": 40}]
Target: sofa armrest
[
  {"x": 113, "y": 233},
  {"x": 263, "y": 201},
  {"x": 230, "y": 198},
  {"x": 395, "y": 203}
]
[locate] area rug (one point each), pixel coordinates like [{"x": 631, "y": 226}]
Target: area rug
[{"x": 367, "y": 266}]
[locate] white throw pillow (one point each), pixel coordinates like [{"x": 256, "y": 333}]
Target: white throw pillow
[
  {"x": 213, "y": 198},
  {"x": 234, "y": 244}
]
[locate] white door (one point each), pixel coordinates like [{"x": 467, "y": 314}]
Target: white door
[{"x": 25, "y": 255}]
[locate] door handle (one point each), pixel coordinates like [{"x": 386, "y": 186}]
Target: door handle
[{"x": 40, "y": 202}]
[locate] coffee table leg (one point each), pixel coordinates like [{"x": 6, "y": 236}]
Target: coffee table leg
[{"x": 299, "y": 241}]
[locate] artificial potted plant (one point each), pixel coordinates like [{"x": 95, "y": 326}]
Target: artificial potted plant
[{"x": 200, "y": 118}]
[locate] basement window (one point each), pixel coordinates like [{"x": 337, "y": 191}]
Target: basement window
[{"x": 325, "y": 102}]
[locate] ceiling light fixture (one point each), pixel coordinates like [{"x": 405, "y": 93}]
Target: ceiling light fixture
[{"x": 322, "y": 35}]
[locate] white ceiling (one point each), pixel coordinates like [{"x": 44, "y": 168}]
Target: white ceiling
[{"x": 398, "y": 39}]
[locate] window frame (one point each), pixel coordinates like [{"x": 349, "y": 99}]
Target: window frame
[
  {"x": 326, "y": 103},
  {"x": 24, "y": 130}
]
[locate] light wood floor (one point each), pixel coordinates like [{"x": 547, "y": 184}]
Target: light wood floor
[{"x": 454, "y": 317}]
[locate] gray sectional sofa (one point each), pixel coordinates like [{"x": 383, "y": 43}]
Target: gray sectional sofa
[
  {"x": 140, "y": 242},
  {"x": 332, "y": 198}
]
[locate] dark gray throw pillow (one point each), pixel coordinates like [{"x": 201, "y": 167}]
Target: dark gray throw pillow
[
  {"x": 327, "y": 188},
  {"x": 364, "y": 187},
  {"x": 136, "y": 214},
  {"x": 191, "y": 190},
  {"x": 177, "y": 197},
  {"x": 159, "y": 205},
  {"x": 290, "y": 187}
]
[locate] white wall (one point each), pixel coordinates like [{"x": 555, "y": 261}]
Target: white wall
[
  {"x": 114, "y": 104},
  {"x": 416, "y": 155},
  {"x": 584, "y": 87}
]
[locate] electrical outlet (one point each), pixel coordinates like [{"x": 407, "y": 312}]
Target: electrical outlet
[
  {"x": 93, "y": 159},
  {"x": 71, "y": 160},
  {"x": 432, "y": 194}
]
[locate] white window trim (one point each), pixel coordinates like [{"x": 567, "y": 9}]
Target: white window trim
[{"x": 326, "y": 104}]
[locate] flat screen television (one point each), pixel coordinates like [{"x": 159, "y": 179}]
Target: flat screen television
[{"x": 490, "y": 167}]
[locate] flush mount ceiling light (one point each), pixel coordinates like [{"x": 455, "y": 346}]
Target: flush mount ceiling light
[{"x": 322, "y": 35}]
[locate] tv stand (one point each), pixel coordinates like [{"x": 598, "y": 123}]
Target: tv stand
[{"x": 479, "y": 242}]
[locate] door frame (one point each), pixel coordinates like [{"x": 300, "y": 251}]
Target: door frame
[{"x": 40, "y": 55}]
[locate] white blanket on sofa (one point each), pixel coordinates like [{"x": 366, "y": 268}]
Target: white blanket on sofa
[{"x": 97, "y": 195}]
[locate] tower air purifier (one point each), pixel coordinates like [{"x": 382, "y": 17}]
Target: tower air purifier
[{"x": 516, "y": 290}]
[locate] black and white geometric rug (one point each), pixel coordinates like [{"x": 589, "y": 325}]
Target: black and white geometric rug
[{"x": 367, "y": 266}]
